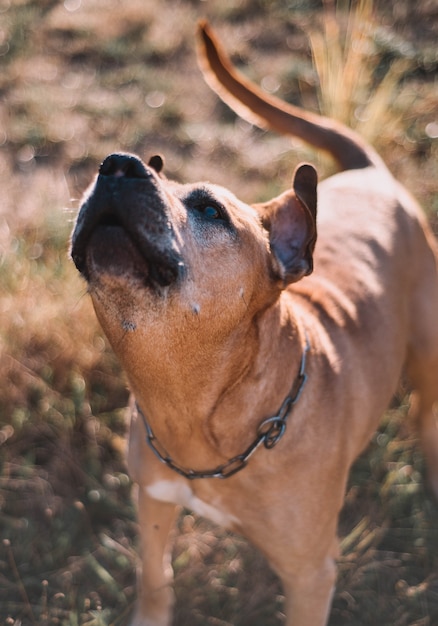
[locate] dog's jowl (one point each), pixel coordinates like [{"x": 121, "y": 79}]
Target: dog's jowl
[{"x": 262, "y": 343}]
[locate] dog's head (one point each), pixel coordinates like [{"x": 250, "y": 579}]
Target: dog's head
[{"x": 157, "y": 253}]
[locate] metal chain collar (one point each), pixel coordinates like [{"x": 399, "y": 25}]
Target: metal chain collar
[{"x": 269, "y": 433}]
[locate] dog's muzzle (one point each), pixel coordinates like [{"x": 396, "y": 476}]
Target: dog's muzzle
[{"x": 124, "y": 226}]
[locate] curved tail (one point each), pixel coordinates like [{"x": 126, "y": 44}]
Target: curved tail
[{"x": 250, "y": 102}]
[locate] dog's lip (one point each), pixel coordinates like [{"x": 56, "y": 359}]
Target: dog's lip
[{"x": 111, "y": 249}]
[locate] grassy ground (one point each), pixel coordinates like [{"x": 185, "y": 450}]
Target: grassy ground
[{"x": 79, "y": 80}]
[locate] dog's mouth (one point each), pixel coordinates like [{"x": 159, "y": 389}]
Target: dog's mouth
[{"x": 124, "y": 227}]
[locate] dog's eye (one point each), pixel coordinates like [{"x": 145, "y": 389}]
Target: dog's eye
[
  {"x": 201, "y": 204},
  {"x": 210, "y": 211}
]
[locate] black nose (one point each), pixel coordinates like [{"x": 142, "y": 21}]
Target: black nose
[{"x": 126, "y": 165}]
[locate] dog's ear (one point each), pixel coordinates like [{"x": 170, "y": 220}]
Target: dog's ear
[
  {"x": 291, "y": 221},
  {"x": 156, "y": 162}
]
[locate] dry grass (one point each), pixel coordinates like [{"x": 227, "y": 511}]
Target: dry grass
[
  {"x": 80, "y": 80},
  {"x": 346, "y": 60}
]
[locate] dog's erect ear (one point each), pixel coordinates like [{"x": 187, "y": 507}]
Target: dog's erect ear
[
  {"x": 291, "y": 222},
  {"x": 156, "y": 162}
]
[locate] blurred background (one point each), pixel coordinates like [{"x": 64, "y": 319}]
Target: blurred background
[{"x": 80, "y": 79}]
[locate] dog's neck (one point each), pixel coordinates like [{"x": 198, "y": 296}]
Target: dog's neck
[{"x": 189, "y": 387}]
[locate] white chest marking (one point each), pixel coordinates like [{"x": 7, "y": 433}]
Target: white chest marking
[{"x": 179, "y": 493}]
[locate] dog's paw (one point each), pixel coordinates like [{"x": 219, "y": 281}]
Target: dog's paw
[
  {"x": 140, "y": 619},
  {"x": 155, "y": 610}
]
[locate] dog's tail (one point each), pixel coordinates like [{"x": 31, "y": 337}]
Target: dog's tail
[{"x": 250, "y": 102}]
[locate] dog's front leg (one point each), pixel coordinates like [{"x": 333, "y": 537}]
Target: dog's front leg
[
  {"x": 154, "y": 577},
  {"x": 308, "y": 594}
]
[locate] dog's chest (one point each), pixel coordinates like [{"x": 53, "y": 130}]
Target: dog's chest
[{"x": 179, "y": 492}]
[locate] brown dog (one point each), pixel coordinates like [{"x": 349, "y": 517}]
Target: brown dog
[{"x": 239, "y": 371}]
